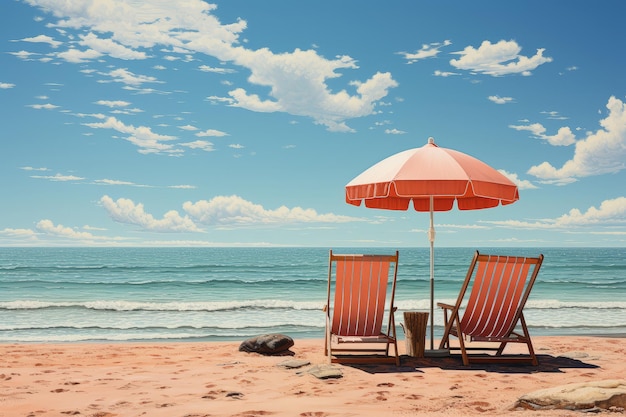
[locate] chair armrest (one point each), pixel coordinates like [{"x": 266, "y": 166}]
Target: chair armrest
[{"x": 445, "y": 306}]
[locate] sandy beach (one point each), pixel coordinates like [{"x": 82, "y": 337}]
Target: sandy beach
[{"x": 215, "y": 379}]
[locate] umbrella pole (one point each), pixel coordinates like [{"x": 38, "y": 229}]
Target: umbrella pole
[{"x": 431, "y": 238}]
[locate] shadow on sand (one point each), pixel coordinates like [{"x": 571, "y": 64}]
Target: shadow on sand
[{"x": 547, "y": 363}]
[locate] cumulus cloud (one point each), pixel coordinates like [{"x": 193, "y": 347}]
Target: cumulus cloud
[
  {"x": 430, "y": 50},
  {"x": 296, "y": 81},
  {"x": 500, "y": 100},
  {"x": 113, "y": 103},
  {"x": 394, "y": 132},
  {"x": 601, "y": 152},
  {"x": 564, "y": 136},
  {"x": 4, "y": 86},
  {"x": 18, "y": 233},
  {"x": 211, "y": 132},
  {"x": 142, "y": 136},
  {"x": 47, "y": 106},
  {"x": 521, "y": 184},
  {"x": 43, "y": 39},
  {"x": 110, "y": 47},
  {"x": 610, "y": 213},
  {"x": 219, "y": 211},
  {"x": 48, "y": 227},
  {"x": 234, "y": 210},
  {"x": 199, "y": 144},
  {"x": 444, "y": 74},
  {"x": 126, "y": 211},
  {"x": 206, "y": 68},
  {"x": 76, "y": 56},
  {"x": 502, "y": 58},
  {"x": 122, "y": 75},
  {"x": 58, "y": 177}
]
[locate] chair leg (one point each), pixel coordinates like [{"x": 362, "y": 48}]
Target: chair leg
[{"x": 529, "y": 343}]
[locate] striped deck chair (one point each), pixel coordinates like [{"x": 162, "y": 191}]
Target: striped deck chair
[
  {"x": 500, "y": 286},
  {"x": 362, "y": 289}
]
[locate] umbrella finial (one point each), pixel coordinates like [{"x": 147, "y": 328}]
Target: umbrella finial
[{"x": 431, "y": 140}]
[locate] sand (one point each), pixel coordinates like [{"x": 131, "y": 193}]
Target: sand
[{"x": 215, "y": 379}]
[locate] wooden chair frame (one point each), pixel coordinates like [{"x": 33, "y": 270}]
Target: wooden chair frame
[
  {"x": 360, "y": 299},
  {"x": 500, "y": 287}
]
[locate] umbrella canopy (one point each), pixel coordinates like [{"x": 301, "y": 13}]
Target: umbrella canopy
[{"x": 432, "y": 178}]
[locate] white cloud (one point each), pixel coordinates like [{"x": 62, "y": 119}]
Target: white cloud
[
  {"x": 126, "y": 211},
  {"x": 110, "y": 47},
  {"x": 58, "y": 177},
  {"x": 206, "y": 68},
  {"x": 500, "y": 100},
  {"x": 554, "y": 115},
  {"x": 78, "y": 57},
  {"x": 188, "y": 127},
  {"x": 444, "y": 74},
  {"x": 142, "y": 136},
  {"x": 234, "y": 210},
  {"x": 564, "y": 136},
  {"x": 43, "y": 39},
  {"x": 521, "y": 184},
  {"x": 183, "y": 187},
  {"x": 610, "y": 213},
  {"x": 113, "y": 182},
  {"x": 199, "y": 144},
  {"x": 17, "y": 233},
  {"x": 113, "y": 103},
  {"x": 34, "y": 169},
  {"x": 498, "y": 59},
  {"x": 122, "y": 75},
  {"x": 394, "y": 132},
  {"x": 4, "y": 86},
  {"x": 47, "y": 106},
  {"x": 211, "y": 132},
  {"x": 602, "y": 152},
  {"x": 426, "y": 51},
  {"x": 296, "y": 81},
  {"x": 25, "y": 55},
  {"x": 48, "y": 227}
]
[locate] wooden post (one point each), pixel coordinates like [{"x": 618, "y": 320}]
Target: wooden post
[{"x": 415, "y": 324}]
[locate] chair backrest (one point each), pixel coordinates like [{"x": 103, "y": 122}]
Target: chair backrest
[
  {"x": 500, "y": 288},
  {"x": 360, "y": 292}
]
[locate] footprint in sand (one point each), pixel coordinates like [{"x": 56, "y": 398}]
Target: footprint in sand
[{"x": 481, "y": 406}]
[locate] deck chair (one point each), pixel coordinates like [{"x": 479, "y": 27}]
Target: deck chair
[
  {"x": 362, "y": 289},
  {"x": 500, "y": 286}
]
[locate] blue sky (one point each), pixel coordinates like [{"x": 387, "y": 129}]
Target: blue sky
[{"x": 238, "y": 123}]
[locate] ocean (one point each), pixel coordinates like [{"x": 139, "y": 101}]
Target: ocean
[{"x": 216, "y": 294}]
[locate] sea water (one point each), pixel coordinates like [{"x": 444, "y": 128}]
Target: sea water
[{"x": 197, "y": 294}]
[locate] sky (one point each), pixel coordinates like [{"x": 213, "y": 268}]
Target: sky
[{"x": 239, "y": 123}]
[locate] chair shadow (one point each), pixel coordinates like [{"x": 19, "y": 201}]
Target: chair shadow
[{"x": 454, "y": 362}]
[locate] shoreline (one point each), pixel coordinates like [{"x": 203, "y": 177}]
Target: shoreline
[{"x": 193, "y": 379}]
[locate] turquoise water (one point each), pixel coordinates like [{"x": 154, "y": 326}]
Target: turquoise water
[{"x": 124, "y": 294}]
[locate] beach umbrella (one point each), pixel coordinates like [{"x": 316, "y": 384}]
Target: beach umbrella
[{"x": 432, "y": 178}]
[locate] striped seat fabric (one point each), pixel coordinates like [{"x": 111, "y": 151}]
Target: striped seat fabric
[
  {"x": 493, "y": 311},
  {"x": 361, "y": 290}
]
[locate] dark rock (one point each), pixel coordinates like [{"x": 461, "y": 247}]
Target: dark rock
[{"x": 267, "y": 344}]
